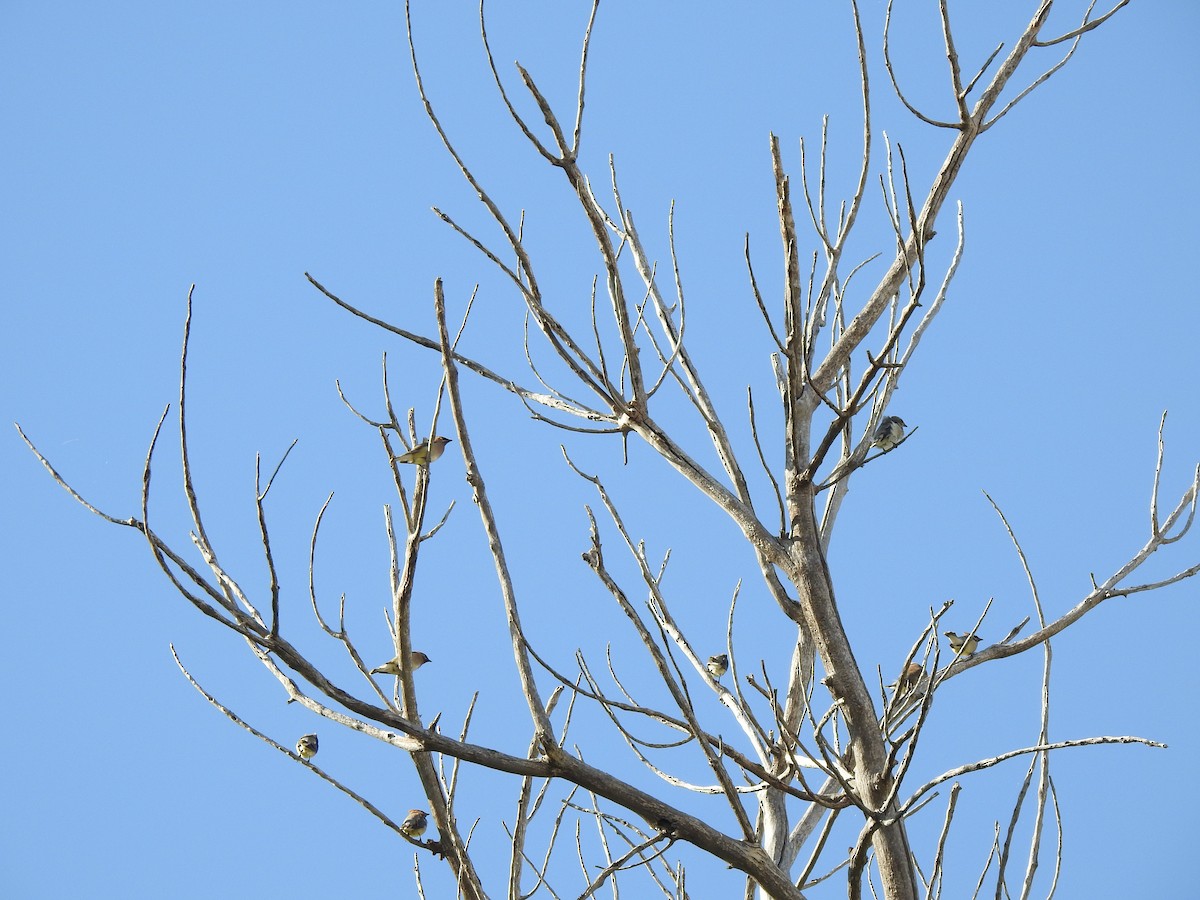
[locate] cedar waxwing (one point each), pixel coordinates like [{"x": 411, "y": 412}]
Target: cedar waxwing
[
  {"x": 910, "y": 678},
  {"x": 962, "y": 644},
  {"x": 306, "y": 747},
  {"x": 392, "y": 666},
  {"x": 889, "y": 432},
  {"x": 718, "y": 665},
  {"x": 425, "y": 452},
  {"x": 414, "y": 823}
]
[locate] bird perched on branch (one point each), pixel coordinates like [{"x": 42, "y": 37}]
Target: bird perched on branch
[
  {"x": 393, "y": 667},
  {"x": 306, "y": 747},
  {"x": 889, "y": 433},
  {"x": 962, "y": 644},
  {"x": 426, "y": 452},
  {"x": 414, "y": 823},
  {"x": 910, "y": 678},
  {"x": 717, "y": 665}
]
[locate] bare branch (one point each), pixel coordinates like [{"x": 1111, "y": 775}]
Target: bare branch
[
  {"x": 887, "y": 64},
  {"x": 537, "y": 708},
  {"x": 1038, "y": 748},
  {"x": 1085, "y": 27},
  {"x": 960, "y": 94},
  {"x": 312, "y": 767}
]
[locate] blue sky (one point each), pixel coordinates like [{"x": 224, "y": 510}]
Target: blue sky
[{"x": 235, "y": 146}]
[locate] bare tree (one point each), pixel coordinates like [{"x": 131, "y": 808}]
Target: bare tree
[{"x": 821, "y": 739}]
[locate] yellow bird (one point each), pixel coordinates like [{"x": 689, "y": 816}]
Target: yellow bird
[
  {"x": 962, "y": 644},
  {"x": 718, "y": 665},
  {"x": 414, "y": 823},
  {"x": 392, "y": 666},
  {"x": 425, "y": 452},
  {"x": 889, "y": 433},
  {"x": 306, "y": 747}
]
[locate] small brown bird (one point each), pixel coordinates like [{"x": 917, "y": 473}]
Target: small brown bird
[
  {"x": 718, "y": 665},
  {"x": 425, "y": 452},
  {"x": 392, "y": 666},
  {"x": 306, "y": 747},
  {"x": 889, "y": 433},
  {"x": 910, "y": 678},
  {"x": 962, "y": 644},
  {"x": 414, "y": 823}
]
